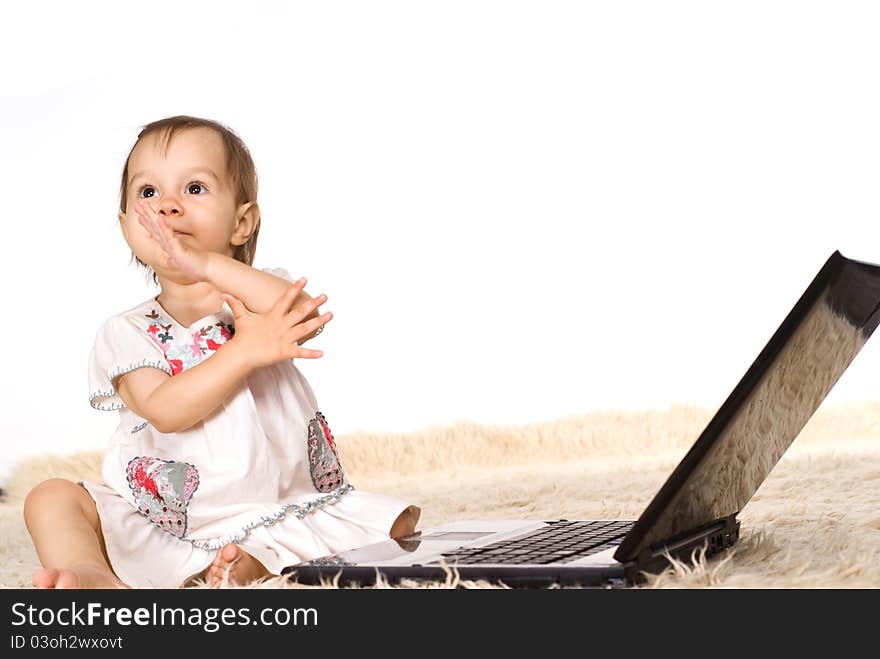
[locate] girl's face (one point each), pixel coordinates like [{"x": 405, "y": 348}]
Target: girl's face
[{"x": 189, "y": 186}]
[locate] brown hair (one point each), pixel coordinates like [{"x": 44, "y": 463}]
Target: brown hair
[{"x": 239, "y": 165}]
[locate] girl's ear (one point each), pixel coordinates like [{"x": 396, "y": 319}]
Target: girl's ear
[
  {"x": 121, "y": 218},
  {"x": 248, "y": 215}
]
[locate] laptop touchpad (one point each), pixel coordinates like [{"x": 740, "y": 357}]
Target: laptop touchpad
[{"x": 456, "y": 536}]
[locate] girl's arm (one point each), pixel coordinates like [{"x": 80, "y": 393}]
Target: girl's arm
[
  {"x": 257, "y": 289},
  {"x": 174, "y": 404}
]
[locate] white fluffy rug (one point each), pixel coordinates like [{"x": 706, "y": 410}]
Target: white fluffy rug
[{"x": 815, "y": 522}]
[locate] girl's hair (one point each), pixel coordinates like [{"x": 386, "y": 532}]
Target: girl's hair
[{"x": 239, "y": 165}]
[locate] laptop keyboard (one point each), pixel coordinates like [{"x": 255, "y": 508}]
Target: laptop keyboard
[{"x": 559, "y": 542}]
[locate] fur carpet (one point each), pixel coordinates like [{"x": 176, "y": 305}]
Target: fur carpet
[{"x": 814, "y": 523}]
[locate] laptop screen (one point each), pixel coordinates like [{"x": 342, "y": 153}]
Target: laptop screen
[{"x": 768, "y": 408}]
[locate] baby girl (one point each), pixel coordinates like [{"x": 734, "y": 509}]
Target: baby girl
[{"x": 222, "y": 463}]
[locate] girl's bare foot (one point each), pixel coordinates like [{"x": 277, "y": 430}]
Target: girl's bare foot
[
  {"x": 78, "y": 576},
  {"x": 242, "y": 567},
  {"x": 405, "y": 524}
]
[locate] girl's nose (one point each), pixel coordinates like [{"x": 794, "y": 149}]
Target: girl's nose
[{"x": 169, "y": 206}]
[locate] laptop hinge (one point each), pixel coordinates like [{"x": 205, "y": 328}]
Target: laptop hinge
[{"x": 717, "y": 536}]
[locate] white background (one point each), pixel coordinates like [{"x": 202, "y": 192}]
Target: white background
[{"x": 519, "y": 211}]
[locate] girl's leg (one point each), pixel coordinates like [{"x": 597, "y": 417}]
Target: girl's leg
[{"x": 62, "y": 519}]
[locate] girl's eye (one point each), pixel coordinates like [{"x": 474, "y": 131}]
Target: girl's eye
[{"x": 188, "y": 188}]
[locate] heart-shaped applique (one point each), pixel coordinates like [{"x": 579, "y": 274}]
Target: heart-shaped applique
[
  {"x": 323, "y": 460},
  {"x": 162, "y": 490}
]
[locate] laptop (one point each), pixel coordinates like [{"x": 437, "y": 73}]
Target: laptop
[{"x": 696, "y": 508}]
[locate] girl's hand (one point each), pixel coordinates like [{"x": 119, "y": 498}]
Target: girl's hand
[
  {"x": 179, "y": 254},
  {"x": 273, "y": 337}
]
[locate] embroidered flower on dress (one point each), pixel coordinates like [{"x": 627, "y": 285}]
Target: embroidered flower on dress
[
  {"x": 162, "y": 490},
  {"x": 180, "y": 355},
  {"x": 324, "y": 464}
]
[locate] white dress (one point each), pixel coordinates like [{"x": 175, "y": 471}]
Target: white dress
[{"x": 261, "y": 471}]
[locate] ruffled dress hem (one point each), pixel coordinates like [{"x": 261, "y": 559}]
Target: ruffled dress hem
[{"x": 144, "y": 556}]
